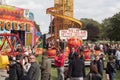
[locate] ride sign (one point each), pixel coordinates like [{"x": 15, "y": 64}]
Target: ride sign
[{"x": 66, "y": 34}]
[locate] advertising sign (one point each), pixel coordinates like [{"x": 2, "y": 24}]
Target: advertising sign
[
  {"x": 14, "y": 25},
  {"x": 66, "y": 34}
]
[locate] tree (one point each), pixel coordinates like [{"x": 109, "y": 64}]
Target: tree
[
  {"x": 93, "y": 28},
  {"x": 111, "y": 27},
  {"x": 115, "y": 23},
  {"x": 106, "y": 26}
]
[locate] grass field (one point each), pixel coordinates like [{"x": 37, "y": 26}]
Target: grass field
[
  {"x": 54, "y": 74},
  {"x": 54, "y": 71}
]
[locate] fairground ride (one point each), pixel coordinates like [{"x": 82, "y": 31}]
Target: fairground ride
[{"x": 62, "y": 17}]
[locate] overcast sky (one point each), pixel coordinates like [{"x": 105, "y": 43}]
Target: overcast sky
[{"x": 93, "y": 9}]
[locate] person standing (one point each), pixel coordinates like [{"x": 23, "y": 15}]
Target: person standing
[
  {"x": 71, "y": 56},
  {"x": 34, "y": 72},
  {"x": 11, "y": 69},
  {"x": 75, "y": 71},
  {"x": 26, "y": 64},
  {"x": 19, "y": 67},
  {"x": 117, "y": 56},
  {"x": 59, "y": 63},
  {"x": 45, "y": 67},
  {"x": 99, "y": 63},
  {"x": 110, "y": 69},
  {"x": 15, "y": 69}
]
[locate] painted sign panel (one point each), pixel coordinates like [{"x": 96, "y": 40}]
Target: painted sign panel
[{"x": 66, "y": 34}]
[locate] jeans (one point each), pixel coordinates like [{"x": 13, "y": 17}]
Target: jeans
[
  {"x": 60, "y": 71},
  {"x": 112, "y": 76},
  {"x": 118, "y": 64}
]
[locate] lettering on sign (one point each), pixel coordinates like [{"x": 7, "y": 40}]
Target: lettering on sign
[
  {"x": 66, "y": 34},
  {"x": 14, "y": 26}
]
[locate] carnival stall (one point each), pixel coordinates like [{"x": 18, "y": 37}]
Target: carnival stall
[
  {"x": 18, "y": 21},
  {"x": 17, "y": 27}
]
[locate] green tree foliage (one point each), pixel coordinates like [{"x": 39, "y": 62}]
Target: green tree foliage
[
  {"x": 93, "y": 28},
  {"x": 115, "y": 24},
  {"x": 105, "y": 28},
  {"x": 111, "y": 27}
]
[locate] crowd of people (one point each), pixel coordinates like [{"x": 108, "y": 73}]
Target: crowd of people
[
  {"x": 76, "y": 65},
  {"x": 25, "y": 67}
]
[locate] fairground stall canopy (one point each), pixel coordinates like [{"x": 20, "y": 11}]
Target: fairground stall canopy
[{"x": 18, "y": 21}]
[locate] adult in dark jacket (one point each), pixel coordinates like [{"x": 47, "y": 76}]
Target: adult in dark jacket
[
  {"x": 98, "y": 62},
  {"x": 19, "y": 67},
  {"x": 71, "y": 56},
  {"x": 34, "y": 71},
  {"x": 111, "y": 68},
  {"x": 76, "y": 70},
  {"x": 15, "y": 68},
  {"x": 12, "y": 70}
]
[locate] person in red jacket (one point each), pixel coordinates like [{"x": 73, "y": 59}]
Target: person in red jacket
[{"x": 59, "y": 63}]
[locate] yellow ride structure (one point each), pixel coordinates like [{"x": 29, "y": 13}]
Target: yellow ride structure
[{"x": 63, "y": 17}]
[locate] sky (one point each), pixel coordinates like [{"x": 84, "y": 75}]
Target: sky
[{"x": 92, "y": 9}]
